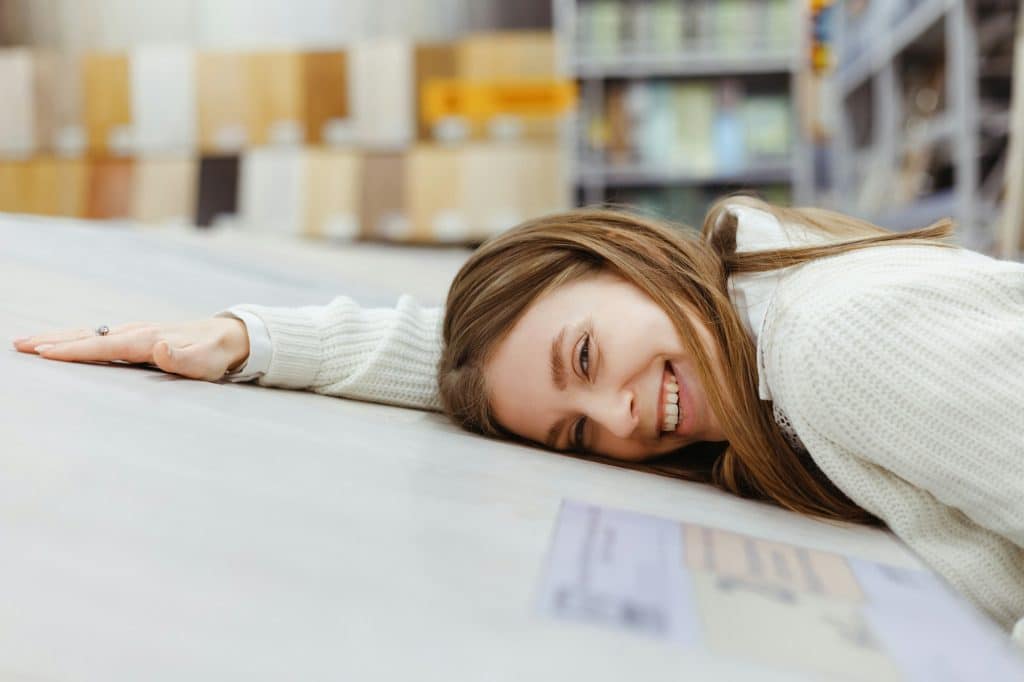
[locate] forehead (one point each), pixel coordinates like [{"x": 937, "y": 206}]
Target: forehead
[
  {"x": 518, "y": 374},
  {"x": 564, "y": 305},
  {"x": 576, "y": 297}
]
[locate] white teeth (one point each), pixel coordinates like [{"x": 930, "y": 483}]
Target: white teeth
[{"x": 671, "y": 401}]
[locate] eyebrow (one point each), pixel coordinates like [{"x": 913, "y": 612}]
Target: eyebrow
[
  {"x": 557, "y": 364},
  {"x": 560, "y": 382},
  {"x": 552, "y": 440}
]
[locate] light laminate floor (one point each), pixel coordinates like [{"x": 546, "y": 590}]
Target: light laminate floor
[{"x": 155, "y": 528}]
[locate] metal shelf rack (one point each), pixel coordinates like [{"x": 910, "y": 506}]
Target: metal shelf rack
[
  {"x": 592, "y": 178},
  {"x": 870, "y": 50}
]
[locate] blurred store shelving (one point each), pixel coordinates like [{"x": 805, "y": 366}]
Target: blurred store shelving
[
  {"x": 451, "y": 120},
  {"x": 685, "y": 100},
  {"x": 923, "y": 99},
  {"x": 401, "y": 120}
]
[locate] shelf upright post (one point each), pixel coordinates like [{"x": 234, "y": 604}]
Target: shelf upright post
[
  {"x": 884, "y": 111},
  {"x": 564, "y": 19},
  {"x": 1012, "y": 219},
  {"x": 593, "y": 101},
  {"x": 802, "y": 153},
  {"x": 962, "y": 98},
  {"x": 887, "y": 107},
  {"x": 842, "y": 158}
]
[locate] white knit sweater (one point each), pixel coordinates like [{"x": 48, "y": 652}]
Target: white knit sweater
[{"x": 899, "y": 368}]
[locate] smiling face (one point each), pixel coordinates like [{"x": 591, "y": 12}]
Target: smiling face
[{"x": 596, "y": 365}]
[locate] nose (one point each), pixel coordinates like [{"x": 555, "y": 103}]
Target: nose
[{"x": 616, "y": 411}]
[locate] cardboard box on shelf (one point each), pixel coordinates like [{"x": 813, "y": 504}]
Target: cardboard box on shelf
[
  {"x": 382, "y": 208},
  {"x": 12, "y": 186},
  {"x": 72, "y": 184},
  {"x": 163, "y": 98},
  {"x": 325, "y": 89},
  {"x": 383, "y": 98},
  {"x": 106, "y": 86},
  {"x": 217, "y": 189},
  {"x": 543, "y": 174},
  {"x": 276, "y": 107},
  {"x": 60, "y": 184},
  {"x": 507, "y": 55},
  {"x": 469, "y": 192},
  {"x": 333, "y": 192},
  {"x": 59, "y": 123},
  {"x": 111, "y": 188},
  {"x": 431, "y": 61},
  {"x": 223, "y": 100},
  {"x": 434, "y": 200},
  {"x": 41, "y": 186},
  {"x": 17, "y": 115},
  {"x": 165, "y": 189},
  {"x": 272, "y": 190},
  {"x": 504, "y": 184},
  {"x": 510, "y": 56}
]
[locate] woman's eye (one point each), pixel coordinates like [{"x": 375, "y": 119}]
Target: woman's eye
[
  {"x": 577, "y": 433},
  {"x": 585, "y": 356}
]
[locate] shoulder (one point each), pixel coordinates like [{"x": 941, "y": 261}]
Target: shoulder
[
  {"x": 873, "y": 337},
  {"x": 759, "y": 230},
  {"x": 884, "y": 280},
  {"x": 825, "y": 300}
]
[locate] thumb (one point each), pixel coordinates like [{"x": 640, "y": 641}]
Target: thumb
[
  {"x": 163, "y": 357},
  {"x": 188, "y": 362}
]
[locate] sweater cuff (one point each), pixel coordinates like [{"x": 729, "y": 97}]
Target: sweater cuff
[
  {"x": 254, "y": 366},
  {"x": 297, "y": 347}
]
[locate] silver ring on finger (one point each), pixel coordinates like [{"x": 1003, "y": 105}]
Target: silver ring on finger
[{"x": 102, "y": 330}]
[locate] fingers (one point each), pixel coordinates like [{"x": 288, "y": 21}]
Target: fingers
[
  {"x": 131, "y": 346},
  {"x": 193, "y": 349},
  {"x": 28, "y": 344}
]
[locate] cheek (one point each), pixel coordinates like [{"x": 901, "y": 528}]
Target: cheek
[
  {"x": 508, "y": 409},
  {"x": 625, "y": 450},
  {"x": 654, "y": 328}
]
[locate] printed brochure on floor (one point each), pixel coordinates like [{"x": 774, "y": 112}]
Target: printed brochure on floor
[{"x": 776, "y": 604}]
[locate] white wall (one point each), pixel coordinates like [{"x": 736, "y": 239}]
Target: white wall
[{"x": 238, "y": 24}]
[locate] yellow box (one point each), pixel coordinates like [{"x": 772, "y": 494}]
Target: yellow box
[{"x": 481, "y": 101}]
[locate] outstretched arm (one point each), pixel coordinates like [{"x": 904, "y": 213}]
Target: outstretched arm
[{"x": 386, "y": 355}]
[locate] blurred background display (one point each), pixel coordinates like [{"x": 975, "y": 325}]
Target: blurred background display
[{"x": 450, "y": 121}]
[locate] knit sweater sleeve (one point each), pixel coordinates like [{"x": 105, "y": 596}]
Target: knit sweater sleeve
[
  {"x": 386, "y": 355},
  {"x": 902, "y": 372}
]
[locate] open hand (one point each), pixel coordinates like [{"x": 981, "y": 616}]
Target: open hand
[{"x": 201, "y": 349}]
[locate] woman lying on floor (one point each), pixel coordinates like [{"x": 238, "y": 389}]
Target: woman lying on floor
[{"x": 839, "y": 370}]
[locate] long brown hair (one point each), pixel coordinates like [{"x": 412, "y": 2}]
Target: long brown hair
[{"x": 674, "y": 268}]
